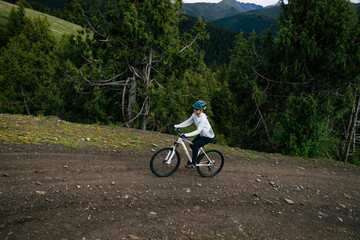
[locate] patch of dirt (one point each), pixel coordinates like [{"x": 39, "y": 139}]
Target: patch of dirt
[{"x": 56, "y": 192}]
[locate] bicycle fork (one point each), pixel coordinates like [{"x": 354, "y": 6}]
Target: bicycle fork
[{"x": 170, "y": 155}]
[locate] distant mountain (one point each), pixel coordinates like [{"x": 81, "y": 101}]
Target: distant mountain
[
  {"x": 214, "y": 11},
  {"x": 278, "y": 4},
  {"x": 236, "y": 16},
  {"x": 217, "y": 48},
  {"x": 257, "y": 20}
]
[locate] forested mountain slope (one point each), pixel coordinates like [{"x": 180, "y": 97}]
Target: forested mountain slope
[
  {"x": 214, "y": 11},
  {"x": 257, "y": 20},
  {"x": 216, "y": 48}
]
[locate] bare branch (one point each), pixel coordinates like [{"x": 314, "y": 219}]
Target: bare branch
[
  {"x": 254, "y": 49},
  {"x": 190, "y": 43},
  {"x": 91, "y": 62},
  {"x": 142, "y": 108},
  {"x": 264, "y": 123},
  {"x": 90, "y": 25},
  {"x": 135, "y": 72},
  {"x": 107, "y": 82},
  {"x": 153, "y": 80},
  {"x": 95, "y": 31},
  {"x": 181, "y": 95},
  {"x": 274, "y": 81}
]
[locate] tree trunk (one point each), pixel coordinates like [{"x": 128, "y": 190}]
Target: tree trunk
[
  {"x": 264, "y": 123},
  {"x": 350, "y": 135},
  {"x": 146, "y": 114},
  {"x": 147, "y": 80},
  {"x": 123, "y": 114},
  {"x": 25, "y": 102},
  {"x": 132, "y": 101}
]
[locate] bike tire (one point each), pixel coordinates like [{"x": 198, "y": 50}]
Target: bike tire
[
  {"x": 158, "y": 165},
  {"x": 215, "y": 168}
]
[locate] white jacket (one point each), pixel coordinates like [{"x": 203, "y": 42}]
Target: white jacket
[{"x": 202, "y": 124}]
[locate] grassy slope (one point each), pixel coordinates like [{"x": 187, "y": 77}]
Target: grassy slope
[
  {"x": 57, "y": 26},
  {"x": 20, "y": 129}
]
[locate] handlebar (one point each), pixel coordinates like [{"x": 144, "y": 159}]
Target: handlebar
[
  {"x": 182, "y": 135},
  {"x": 178, "y": 130}
]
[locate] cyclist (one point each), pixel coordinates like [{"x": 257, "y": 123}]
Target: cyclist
[{"x": 204, "y": 132}]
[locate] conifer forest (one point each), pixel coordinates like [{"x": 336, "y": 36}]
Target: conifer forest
[{"x": 142, "y": 64}]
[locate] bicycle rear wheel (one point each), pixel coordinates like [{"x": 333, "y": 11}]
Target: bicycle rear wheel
[
  {"x": 210, "y": 164},
  {"x": 162, "y": 167}
]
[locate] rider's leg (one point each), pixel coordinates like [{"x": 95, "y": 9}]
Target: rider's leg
[
  {"x": 198, "y": 142},
  {"x": 191, "y": 164}
]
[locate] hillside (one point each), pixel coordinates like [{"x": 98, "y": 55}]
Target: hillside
[
  {"x": 62, "y": 180},
  {"x": 214, "y": 11},
  {"x": 216, "y": 48},
  {"x": 57, "y": 26},
  {"x": 209, "y": 11},
  {"x": 221, "y": 40},
  {"x": 256, "y": 20},
  {"x": 259, "y": 20}
]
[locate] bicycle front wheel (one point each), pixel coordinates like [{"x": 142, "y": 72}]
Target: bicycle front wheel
[
  {"x": 162, "y": 165},
  {"x": 210, "y": 163}
]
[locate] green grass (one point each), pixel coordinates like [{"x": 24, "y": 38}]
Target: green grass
[
  {"x": 25, "y": 130},
  {"x": 21, "y": 129},
  {"x": 57, "y": 25}
]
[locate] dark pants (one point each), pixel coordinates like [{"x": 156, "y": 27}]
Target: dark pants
[{"x": 197, "y": 143}]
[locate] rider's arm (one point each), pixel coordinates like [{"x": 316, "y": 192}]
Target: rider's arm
[
  {"x": 203, "y": 127},
  {"x": 185, "y": 123},
  {"x": 200, "y": 127},
  {"x": 194, "y": 133}
]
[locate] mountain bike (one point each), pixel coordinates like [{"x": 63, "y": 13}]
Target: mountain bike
[{"x": 166, "y": 161}]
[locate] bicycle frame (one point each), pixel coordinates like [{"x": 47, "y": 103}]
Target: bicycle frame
[{"x": 181, "y": 140}]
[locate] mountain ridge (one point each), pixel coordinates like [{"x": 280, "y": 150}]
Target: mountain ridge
[
  {"x": 259, "y": 20},
  {"x": 215, "y": 11}
]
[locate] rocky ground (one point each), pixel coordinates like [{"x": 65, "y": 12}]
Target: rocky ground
[{"x": 56, "y": 192}]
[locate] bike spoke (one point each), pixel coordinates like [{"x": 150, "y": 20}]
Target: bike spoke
[
  {"x": 207, "y": 168},
  {"x": 161, "y": 166}
]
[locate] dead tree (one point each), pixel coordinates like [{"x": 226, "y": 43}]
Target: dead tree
[{"x": 350, "y": 135}]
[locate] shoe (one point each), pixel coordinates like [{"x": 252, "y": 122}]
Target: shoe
[{"x": 189, "y": 165}]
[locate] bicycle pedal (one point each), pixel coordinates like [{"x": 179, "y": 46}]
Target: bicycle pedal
[{"x": 190, "y": 166}]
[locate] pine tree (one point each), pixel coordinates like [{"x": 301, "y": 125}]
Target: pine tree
[
  {"x": 301, "y": 83},
  {"x": 15, "y": 23},
  {"x": 313, "y": 50},
  {"x": 26, "y": 69},
  {"x": 136, "y": 48}
]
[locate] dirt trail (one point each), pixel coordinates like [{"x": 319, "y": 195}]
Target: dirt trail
[{"x": 55, "y": 192}]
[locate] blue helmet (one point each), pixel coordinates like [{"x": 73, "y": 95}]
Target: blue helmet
[{"x": 200, "y": 105}]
